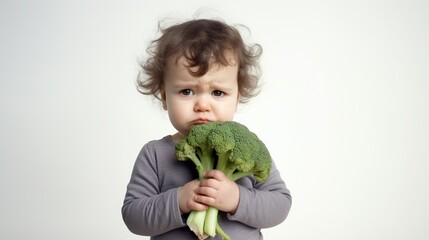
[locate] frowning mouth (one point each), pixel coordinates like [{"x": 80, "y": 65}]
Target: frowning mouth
[{"x": 200, "y": 121}]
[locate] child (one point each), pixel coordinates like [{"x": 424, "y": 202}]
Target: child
[{"x": 200, "y": 70}]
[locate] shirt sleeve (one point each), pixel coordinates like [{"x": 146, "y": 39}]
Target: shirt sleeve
[
  {"x": 265, "y": 204},
  {"x": 146, "y": 210}
]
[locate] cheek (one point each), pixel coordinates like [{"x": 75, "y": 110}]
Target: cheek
[
  {"x": 176, "y": 112},
  {"x": 227, "y": 112}
]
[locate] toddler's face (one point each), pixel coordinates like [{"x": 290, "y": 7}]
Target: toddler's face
[{"x": 193, "y": 100}]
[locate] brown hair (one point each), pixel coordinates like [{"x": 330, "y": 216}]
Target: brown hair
[{"x": 200, "y": 42}]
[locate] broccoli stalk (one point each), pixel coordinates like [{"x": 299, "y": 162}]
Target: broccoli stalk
[
  {"x": 229, "y": 147},
  {"x": 203, "y": 162}
]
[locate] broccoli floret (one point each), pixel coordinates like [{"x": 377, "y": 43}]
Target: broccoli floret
[
  {"x": 240, "y": 152},
  {"x": 195, "y": 147},
  {"x": 229, "y": 147}
]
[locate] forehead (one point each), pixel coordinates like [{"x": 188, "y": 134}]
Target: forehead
[
  {"x": 179, "y": 71},
  {"x": 183, "y": 62},
  {"x": 181, "y": 68}
]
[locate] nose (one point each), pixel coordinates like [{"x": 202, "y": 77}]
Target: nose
[{"x": 202, "y": 104}]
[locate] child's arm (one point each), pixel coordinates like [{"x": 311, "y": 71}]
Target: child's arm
[
  {"x": 266, "y": 205},
  {"x": 257, "y": 205},
  {"x": 147, "y": 210}
]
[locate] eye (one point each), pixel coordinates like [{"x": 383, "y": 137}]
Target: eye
[
  {"x": 218, "y": 93},
  {"x": 186, "y": 92}
]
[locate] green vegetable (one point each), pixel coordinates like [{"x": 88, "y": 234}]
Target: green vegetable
[{"x": 229, "y": 147}]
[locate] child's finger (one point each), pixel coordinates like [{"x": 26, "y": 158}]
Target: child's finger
[
  {"x": 216, "y": 174},
  {"x": 196, "y": 205},
  {"x": 206, "y": 191}
]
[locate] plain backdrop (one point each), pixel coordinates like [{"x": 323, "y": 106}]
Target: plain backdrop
[{"x": 344, "y": 111}]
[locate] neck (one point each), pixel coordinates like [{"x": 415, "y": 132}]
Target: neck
[{"x": 177, "y": 136}]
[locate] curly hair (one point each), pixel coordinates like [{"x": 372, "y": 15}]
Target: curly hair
[{"x": 201, "y": 42}]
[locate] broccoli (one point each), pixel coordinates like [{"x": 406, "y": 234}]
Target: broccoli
[{"x": 229, "y": 147}]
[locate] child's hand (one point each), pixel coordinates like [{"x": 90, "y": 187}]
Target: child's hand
[
  {"x": 218, "y": 191},
  {"x": 187, "y": 198}
]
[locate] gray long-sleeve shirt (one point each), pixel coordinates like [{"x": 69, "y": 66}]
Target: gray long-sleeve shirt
[{"x": 151, "y": 205}]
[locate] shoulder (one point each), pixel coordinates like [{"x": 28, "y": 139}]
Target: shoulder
[
  {"x": 163, "y": 143},
  {"x": 154, "y": 149}
]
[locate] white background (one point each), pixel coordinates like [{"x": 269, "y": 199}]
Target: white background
[{"x": 344, "y": 111}]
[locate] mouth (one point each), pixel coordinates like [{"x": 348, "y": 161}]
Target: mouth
[{"x": 200, "y": 121}]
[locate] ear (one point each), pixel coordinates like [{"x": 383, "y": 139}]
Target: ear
[{"x": 163, "y": 99}]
